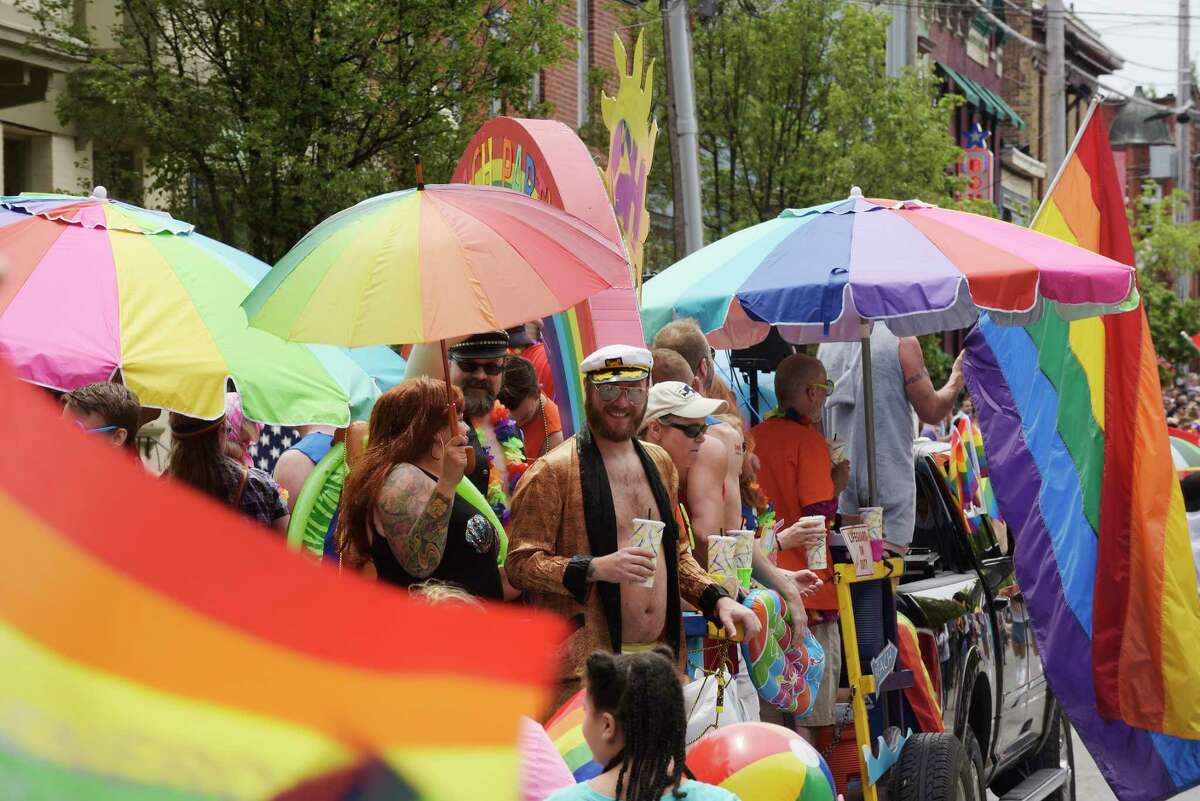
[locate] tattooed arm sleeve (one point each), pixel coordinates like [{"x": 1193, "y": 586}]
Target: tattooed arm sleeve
[{"x": 414, "y": 517}]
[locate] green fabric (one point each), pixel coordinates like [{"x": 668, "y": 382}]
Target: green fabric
[
  {"x": 983, "y": 98},
  {"x": 1081, "y": 433}
]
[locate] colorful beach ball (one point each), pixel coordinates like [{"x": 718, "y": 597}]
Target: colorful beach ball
[
  {"x": 763, "y": 762},
  {"x": 566, "y": 730}
]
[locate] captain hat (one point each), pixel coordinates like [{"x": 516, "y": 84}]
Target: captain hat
[{"x": 617, "y": 363}]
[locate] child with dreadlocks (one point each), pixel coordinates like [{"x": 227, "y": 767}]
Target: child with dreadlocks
[{"x": 634, "y": 722}]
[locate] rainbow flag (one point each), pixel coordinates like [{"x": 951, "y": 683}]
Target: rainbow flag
[
  {"x": 1072, "y": 417},
  {"x": 157, "y": 646}
]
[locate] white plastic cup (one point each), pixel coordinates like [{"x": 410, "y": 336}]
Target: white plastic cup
[
  {"x": 872, "y": 518},
  {"x": 743, "y": 554},
  {"x": 648, "y": 534},
  {"x": 816, "y": 555},
  {"x": 837, "y": 450},
  {"x": 722, "y": 561}
]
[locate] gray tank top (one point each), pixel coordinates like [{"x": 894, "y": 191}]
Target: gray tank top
[{"x": 894, "y": 429}]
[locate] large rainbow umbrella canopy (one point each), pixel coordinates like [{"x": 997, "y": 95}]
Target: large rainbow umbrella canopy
[
  {"x": 432, "y": 263},
  {"x": 93, "y": 286},
  {"x": 821, "y": 272}
]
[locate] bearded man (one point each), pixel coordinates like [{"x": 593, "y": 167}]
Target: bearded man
[
  {"x": 477, "y": 368},
  {"x": 570, "y": 540}
]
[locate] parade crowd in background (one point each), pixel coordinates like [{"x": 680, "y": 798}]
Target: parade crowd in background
[{"x": 620, "y": 529}]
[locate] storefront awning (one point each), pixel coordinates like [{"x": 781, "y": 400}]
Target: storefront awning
[{"x": 983, "y": 98}]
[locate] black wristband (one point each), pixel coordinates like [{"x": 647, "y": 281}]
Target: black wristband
[
  {"x": 708, "y": 601},
  {"x": 575, "y": 577}
]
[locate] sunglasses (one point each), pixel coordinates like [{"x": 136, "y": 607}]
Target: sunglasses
[
  {"x": 826, "y": 387},
  {"x": 691, "y": 430},
  {"x": 490, "y": 368},
  {"x": 610, "y": 392},
  {"x": 101, "y": 430}
]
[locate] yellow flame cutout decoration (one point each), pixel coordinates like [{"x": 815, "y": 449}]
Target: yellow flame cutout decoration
[{"x": 632, "y": 134}]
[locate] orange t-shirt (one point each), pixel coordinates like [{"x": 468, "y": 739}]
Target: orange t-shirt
[
  {"x": 535, "y": 432},
  {"x": 796, "y": 473}
]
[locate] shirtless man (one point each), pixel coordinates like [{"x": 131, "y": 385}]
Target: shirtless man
[
  {"x": 570, "y": 539},
  {"x": 720, "y": 462},
  {"x": 477, "y": 368}
]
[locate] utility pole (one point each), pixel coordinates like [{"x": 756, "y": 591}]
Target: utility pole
[
  {"x": 1183, "y": 130},
  {"x": 1056, "y": 80},
  {"x": 1183, "y": 119},
  {"x": 677, "y": 39}
]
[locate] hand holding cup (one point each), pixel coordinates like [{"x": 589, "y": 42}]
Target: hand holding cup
[{"x": 804, "y": 533}]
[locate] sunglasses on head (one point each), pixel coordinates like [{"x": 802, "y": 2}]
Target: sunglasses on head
[
  {"x": 101, "y": 430},
  {"x": 469, "y": 366},
  {"x": 691, "y": 430},
  {"x": 610, "y": 392}
]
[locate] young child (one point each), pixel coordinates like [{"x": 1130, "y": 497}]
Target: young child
[{"x": 634, "y": 722}]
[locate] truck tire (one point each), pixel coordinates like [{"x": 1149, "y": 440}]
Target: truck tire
[
  {"x": 938, "y": 767},
  {"x": 1056, "y": 751}
]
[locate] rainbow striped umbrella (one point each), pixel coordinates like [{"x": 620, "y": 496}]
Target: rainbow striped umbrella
[
  {"x": 95, "y": 286},
  {"x": 822, "y": 271},
  {"x": 156, "y": 645},
  {"x": 432, "y": 263}
]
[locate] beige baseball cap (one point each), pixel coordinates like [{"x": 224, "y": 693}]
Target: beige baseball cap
[{"x": 678, "y": 399}]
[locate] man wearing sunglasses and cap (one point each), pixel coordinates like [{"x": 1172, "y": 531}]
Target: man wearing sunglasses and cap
[
  {"x": 570, "y": 540},
  {"x": 477, "y": 368}
]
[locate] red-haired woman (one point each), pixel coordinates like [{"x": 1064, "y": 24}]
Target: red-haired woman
[{"x": 399, "y": 507}]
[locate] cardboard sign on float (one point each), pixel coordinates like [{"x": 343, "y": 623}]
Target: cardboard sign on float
[{"x": 546, "y": 160}]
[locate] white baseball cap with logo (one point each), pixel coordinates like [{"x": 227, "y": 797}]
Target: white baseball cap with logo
[{"x": 677, "y": 399}]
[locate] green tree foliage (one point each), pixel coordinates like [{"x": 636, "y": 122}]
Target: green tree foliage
[
  {"x": 262, "y": 118},
  {"x": 795, "y": 107},
  {"x": 1166, "y": 250},
  {"x": 1168, "y": 316}
]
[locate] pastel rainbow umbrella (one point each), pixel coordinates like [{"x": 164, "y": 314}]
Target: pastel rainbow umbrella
[
  {"x": 157, "y": 645},
  {"x": 821, "y": 272},
  {"x": 827, "y": 273},
  {"x": 95, "y": 287},
  {"x": 432, "y": 263}
]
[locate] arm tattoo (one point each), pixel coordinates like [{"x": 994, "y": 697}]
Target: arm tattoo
[
  {"x": 414, "y": 519},
  {"x": 917, "y": 376}
]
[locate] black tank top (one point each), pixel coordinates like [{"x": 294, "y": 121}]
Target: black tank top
[{"x": 469, "y": 561}]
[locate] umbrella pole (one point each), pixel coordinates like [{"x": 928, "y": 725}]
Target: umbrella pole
[
  {"x": 869, "y": 417},
  {"x": 452, "y": 408}
]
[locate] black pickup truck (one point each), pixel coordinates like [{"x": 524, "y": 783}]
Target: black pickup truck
[{"x": 1003, "y": 730}]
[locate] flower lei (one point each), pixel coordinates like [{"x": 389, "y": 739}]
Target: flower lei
[{"x": 508, "y": 434}]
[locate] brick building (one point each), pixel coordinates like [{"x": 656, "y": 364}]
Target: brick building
[
  {"x": 967, "y": 51},
  {"x": 572, "y": 85}
]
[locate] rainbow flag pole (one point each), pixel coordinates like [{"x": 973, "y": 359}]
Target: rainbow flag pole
[{"x": 1072, "y": 419}]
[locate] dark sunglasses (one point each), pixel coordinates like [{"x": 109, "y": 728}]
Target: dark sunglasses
[
  {"x": 490, "y": 368},
  {"x": 691, "y": 430}
]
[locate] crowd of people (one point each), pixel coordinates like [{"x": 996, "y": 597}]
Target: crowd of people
[
  {"x": 663, "y": 441},
  {"x": 1181, "y": 403}
]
